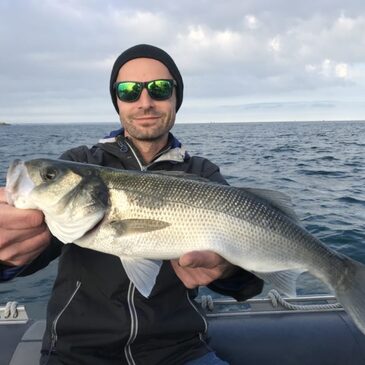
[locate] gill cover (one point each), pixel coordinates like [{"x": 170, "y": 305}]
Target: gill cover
[
  {"x": 84, "y": 207},
  {"x": 83, "y": 200}
]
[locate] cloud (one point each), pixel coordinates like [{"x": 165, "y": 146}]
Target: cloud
[
  {"x": 57, "y": 54},
  {"x": 251, "y": 22},
  {"x": 329, "y": 69},
  {"x": 275, "y": 44}
]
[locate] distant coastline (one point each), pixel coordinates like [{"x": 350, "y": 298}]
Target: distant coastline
[{"x": 4, "y": 123}]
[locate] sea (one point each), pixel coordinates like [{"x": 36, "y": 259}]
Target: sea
[{"x": 320, "y": 165}]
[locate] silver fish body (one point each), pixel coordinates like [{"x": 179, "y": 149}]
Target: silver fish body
[{"x": 147, "y": 217}]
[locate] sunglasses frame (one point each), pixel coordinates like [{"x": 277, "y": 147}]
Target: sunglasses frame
[{"x": 144, "y": 85}]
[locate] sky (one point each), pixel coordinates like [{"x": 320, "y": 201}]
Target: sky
[{"x": 241, "y": 60}]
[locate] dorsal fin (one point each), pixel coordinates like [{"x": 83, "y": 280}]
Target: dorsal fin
[{"x": 276, "y": 199}]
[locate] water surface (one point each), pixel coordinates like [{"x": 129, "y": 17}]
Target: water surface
[{"x": 319, "y": 165}]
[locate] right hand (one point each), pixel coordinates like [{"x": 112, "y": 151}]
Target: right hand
[{"x": 23, "y": 233}]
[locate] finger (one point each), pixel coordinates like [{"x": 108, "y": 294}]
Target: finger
[
  {"x": 203, "y": 259},
  {"x": 9, "y": 237},
  {"x": 2, "y": 195},
  {"x": 24, "y": 252},
  {"x": 192, "y": 278},
  {"x": 13, "y": 218},
  {"x": 22, "y": 259}
]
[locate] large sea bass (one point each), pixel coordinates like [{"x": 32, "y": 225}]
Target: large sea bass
[{"x": 146, "y": 217}]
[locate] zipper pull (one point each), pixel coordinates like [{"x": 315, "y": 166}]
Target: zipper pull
[{"x": 53, "y": 345}]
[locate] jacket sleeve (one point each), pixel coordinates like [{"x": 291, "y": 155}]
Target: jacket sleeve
[
  {"x": 81, "y": 154},
  {"x": 202, "y": 167},
  {"x": 242, "y": 285}
]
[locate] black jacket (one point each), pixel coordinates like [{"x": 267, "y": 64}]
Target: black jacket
[{"x": 95, "y": 315}]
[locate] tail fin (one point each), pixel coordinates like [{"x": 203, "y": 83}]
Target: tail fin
[{"x": 350, "y": 291}]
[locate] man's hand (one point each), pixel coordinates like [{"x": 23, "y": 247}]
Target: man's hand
[
  {"x": 200, "y": 268},
  {"x": 23, "y": 233}
]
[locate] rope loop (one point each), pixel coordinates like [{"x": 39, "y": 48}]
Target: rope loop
[
  {"x": 276, "y": 298},
  {"x": 207, "y": 302},
  {"x": 11, "y": 310}
]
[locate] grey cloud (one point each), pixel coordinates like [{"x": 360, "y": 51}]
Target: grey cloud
[{"x": 59, "y": 53}]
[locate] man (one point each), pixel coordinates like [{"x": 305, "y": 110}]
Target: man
[{"x": 95, "y": 315}]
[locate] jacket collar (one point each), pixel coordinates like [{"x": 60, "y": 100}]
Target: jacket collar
[{"x": 173, "y": 151}]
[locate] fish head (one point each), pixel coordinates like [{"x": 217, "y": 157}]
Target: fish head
[{"x": 72, "y": 196}]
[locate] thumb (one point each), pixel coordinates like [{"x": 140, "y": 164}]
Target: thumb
[{"x": 203, "y": 259}]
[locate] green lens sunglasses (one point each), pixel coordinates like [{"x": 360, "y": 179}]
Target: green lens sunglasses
[{"x": 130, "y": 91}]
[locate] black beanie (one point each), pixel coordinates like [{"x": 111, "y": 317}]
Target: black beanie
[{"x": 147, "y": 51}]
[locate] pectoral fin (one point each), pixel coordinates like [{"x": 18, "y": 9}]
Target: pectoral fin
[
  {"x": 283, "y": 281},
  {"x": 132, "y": 226},
  {"x": 142, "y": 273}
]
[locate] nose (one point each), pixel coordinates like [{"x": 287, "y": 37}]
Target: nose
[{"x": 145, "y": 101}]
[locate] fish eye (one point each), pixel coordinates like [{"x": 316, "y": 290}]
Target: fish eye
[{"x": 48, "y": 174}]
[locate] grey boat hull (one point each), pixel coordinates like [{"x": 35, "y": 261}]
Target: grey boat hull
[{"x": 250, "y": 333}]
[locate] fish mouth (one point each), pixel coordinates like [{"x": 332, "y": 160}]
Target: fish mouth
[{"x": 18, "y": 185}]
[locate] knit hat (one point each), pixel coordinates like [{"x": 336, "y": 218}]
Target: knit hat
[{"x": 147, "y": 51}]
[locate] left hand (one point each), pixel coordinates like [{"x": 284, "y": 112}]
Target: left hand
[{"x": 199, "y": 268}]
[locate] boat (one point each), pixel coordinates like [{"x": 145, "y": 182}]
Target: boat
[{"x": 306, "y": 330}]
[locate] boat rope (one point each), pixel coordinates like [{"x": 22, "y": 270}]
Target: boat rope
[
  {"x": 207, "y": 302},
  {"x": 276, "y": 299},
  {"x": 11, "y": 310}
]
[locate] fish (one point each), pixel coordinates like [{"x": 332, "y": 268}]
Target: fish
[{"x": 147, "y": 217}]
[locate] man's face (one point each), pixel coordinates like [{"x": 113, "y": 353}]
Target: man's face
[{"x": 146, "y": 119}]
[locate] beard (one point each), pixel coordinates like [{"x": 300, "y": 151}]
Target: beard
[{"x": 149, "y": 130}]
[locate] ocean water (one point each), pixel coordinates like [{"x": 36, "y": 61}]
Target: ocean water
[{"x": 321, "y": 166}]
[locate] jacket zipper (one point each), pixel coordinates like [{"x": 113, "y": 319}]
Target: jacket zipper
[
  {"x": 141, "y": 166},
  {"x": 131, "y": 289},
  {"x": 130, "y": 296},
  {"x": 54, "y": 335},
  {"x": 134, "y": 324},
  {"x": 202, "y": 317}
]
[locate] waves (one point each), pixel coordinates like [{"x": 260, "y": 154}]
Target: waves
[
  {"x": 351, "y": 200},
  {"x": 328, "y": 173}
]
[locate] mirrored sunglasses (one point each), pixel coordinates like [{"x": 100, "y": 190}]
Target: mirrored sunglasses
[{"x": 130, "y": 91}]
